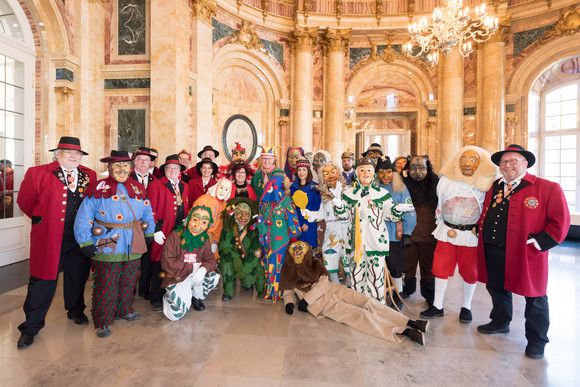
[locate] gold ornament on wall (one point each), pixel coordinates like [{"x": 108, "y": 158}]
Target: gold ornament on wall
[
  {"x": 568, "y": 24},
  {"x": 389, "y": 55},
  {"x": 338, "y": 11},
  {"x": 265, "y": 8},
  {"x": 379, "y": 11},
  {"x": 306, "y": 9},
  {"x": 247, "y": 37},
  {"x": 204, "y": 9}
]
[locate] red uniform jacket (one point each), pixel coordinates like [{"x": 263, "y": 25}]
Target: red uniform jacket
[
  {"x": 196, "y": 188},
  {"x": 42, "y": 197},
  {"x": 539, "y": 208},
  {"x": 164, "y": 204}
]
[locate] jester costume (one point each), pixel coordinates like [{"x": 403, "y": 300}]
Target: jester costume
[
  {"x": 189, "y": 267},
  {"x": 240, "y": 249},
  {"x": 112, "y": 207},
  {"x": 368, "y": 238},
  {"x": 278, "y": 223}
]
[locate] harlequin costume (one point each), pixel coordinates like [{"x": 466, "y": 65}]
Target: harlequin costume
[
  {"x": 459, "y": 205},
  {"x": 104, "y": 224},
  {"x": 305, "y": 282},
  {"x": 46, "y": 198},
  {"x": 278, "y": 223},
  {"x": 532, "y": 216},
  {"x": 368, "y": 208},
  {"x": 189, "y": 269},
  {"x": 240, "y": 249},
  {"x": 261, "y": 176}
]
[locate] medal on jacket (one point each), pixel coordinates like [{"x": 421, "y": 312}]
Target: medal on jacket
[{"x": 179, "y": 200}]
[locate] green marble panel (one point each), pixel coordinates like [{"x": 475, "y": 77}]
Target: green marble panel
[
  {"x": 525, "y": 38},
  {"x": 132, "y": 27},
  {"x": 132, "y": 129}
]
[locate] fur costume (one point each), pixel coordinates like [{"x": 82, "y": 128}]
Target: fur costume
[
  {"x": 305, "y": 280},
  {"x": 459, "y": 207},
  {"x": 240, "y": 249},
  {"x": 420, "y": 252}
]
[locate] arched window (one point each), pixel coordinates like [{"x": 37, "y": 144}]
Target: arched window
[
  {"x": 17, "y": 66},
  {"x": 554, "y": 129}
]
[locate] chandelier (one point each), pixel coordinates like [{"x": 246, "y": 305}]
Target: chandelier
[{"x": 451, "y": 25}]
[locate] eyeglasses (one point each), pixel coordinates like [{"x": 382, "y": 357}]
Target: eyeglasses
[{"x": 510, "y": 162}]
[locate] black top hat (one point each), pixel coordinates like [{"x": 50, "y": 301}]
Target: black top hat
[
  {"x": 118, "y": 157},
  {"x": 374, "y": 147},
  {"x": 143, "y": 150},
  {"x": 384, "y": 162},
  {"x": 496, "y": 157},
  {"x": 206, "y": 160},
  {"x": 208, "y": 148},
  {"x": 172, "y": 159},
  {"x": 71, "y": 143}
]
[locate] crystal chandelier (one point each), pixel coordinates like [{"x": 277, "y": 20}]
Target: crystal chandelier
[{"x": 451, "y": 25}]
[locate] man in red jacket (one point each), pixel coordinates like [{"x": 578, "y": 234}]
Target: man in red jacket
[
  {"x": 523, "y": 217},
  {"x": 50, "y": 195}
]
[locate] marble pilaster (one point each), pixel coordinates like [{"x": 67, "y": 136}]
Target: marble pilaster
[
  {"x": 493, "y": 91},
  {"x": 450, "y": 107},
  {"x": 336, "y": 43},
  {"x": 303, "y": 40},
  {"x": 169, "y": 92}
]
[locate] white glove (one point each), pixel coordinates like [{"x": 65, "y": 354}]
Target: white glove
[
  {"x": 197, "y": 278},
  {"x": 336, "y": 192},
  {"x": 214, "y": 247},
  {"x": 535, "y": 242},
  {"x": 305, "y": 213},
  {"x": 159, "y": 237},
  {"x": 404, "y": 207}
]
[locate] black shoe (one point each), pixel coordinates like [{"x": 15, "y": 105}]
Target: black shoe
[
  {"x": 197, "y": 304},
  {"x": 420, "y": 325},
  {"x": 157, "y": 306},
  {"x": 465, "y": 315},
  {"x": 492, "y": 328},
  {"x": 534, "y": 353},
  {"x": 80, "y": 319},
  {"x": 25, "y": 341},
  {"x": 226, "y": 298},
  {"x": 415, "y": 336},
  {"x": 432, "y": 312}
]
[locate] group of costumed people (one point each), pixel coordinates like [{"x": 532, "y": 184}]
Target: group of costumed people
[{"x": 343, "y": 243}]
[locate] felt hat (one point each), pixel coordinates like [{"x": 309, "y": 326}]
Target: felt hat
[
  {"x": 206, "y": 160},
  {"x": 496, "y": 157},
  {"x": 71, "y": 143},
  {"x": 365, "y": 161},
  {"x": 384, "y": 162},
  {"x": 118, "y": 157},
  {"x": 208, "y": 148},
  {"x": 172, "y": 159},
  {"x": 143, "y": 150},
  {"x": 374, "y": 147}
]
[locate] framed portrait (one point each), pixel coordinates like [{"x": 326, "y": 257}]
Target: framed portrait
[{"x": 239, "y": 128}]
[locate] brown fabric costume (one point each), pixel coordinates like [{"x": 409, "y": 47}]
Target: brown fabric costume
[{"x": 309, "y": 281}]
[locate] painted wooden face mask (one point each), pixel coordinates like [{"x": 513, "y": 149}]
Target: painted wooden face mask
[
  {"x": 199, "y": 221},
  {"x": 298, "y": 251},
  {"x": 469, "y": 162}
]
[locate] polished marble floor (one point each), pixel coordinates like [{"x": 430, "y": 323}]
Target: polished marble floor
[{"x": 247, "y": 342}]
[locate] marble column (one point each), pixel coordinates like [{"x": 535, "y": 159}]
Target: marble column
[
  {"x": 335, "y": 45},
  {"x": 170, "y": 64},
  {"x": 493, "y": 90},
  {"x": 203, "y": 12},
  {"x": 303, "y": 40},
  {"x": 450, "y": 106}
]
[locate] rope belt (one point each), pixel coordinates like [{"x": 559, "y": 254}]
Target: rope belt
[
  {"x": 126, "y": 226},
  {"x": 462, "y": 227}
]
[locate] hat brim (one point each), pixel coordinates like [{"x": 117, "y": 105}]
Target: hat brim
[
  {"x": 153, "y": 158},
  {"x": 67, "y": 148},
  {"x": 496, "y": 157},
  {"x": 162, "y": 167},
  {"x": 109, "y": 160},
  {"x": 200, "y": 153}
]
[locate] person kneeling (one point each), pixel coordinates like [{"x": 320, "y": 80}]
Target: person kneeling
[
  {"x": 189, "y": 266},
  {"x": 306, "y": 278}
]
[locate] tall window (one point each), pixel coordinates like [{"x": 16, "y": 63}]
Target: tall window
[{"x": 558, "y": 137}]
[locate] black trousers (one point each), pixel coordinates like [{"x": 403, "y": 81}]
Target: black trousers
[
  {"x": 76, "y": 268},
  {"x": 396, "y": 259},
  {"x": 537, "y": 312},
  {"x": 149, "y": 281}
]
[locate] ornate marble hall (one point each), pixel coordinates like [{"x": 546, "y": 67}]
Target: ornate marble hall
[{"x": 320, "y": 74}]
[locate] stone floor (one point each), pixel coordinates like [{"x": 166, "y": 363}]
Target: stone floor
[{"x": 247, "y": 342}]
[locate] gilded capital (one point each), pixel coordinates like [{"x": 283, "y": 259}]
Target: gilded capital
[
  {"x": 504, "y": 27},
  {"x": 204, "y": 9},
  {"x": 304, "y": 38},
  {"x": 336, "y": 40}
]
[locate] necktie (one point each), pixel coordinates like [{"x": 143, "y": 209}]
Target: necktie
[
  {"x": 144, "y": 180},
  {"x": 70, "y": 179}
]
